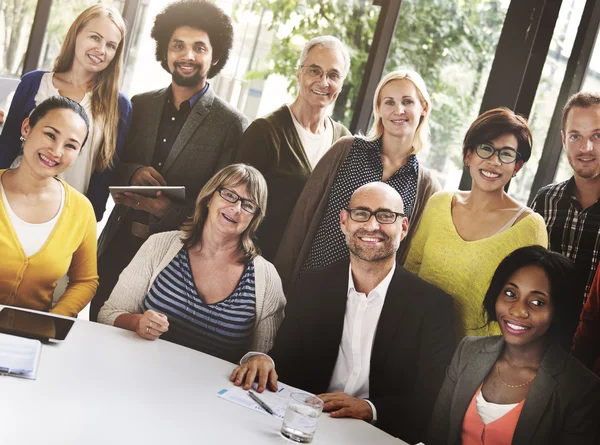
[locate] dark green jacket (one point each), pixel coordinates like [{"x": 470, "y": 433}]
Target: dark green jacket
[{"x": 273, "y": 146}]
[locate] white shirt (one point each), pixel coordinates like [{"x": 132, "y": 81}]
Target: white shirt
[
  {"x": 32, "y": 236},
  {"x": 489, "y": 411},
  {"x": 353, "y": 365},
  {"x": 315, "y": 145}
]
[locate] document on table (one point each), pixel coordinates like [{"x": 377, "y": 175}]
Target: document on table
[
  {"x": 19, "y": 357},
  {"x": 277, "y": 401}
]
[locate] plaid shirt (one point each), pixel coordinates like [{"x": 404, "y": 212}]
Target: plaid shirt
[{"x": 572, "y": 231}]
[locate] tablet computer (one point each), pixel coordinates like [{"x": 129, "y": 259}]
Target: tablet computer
[
  {"x": 175, "y": 192},
  {"x": 44, "y": 327}
]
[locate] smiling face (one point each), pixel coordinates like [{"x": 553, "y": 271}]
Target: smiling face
[
  {"x": 321, "y": 91},
  {"x": 581, "y": 140},
  {"x": 371, "y": 240},
  {"x": 189, "y": 56},
  {"x": 226, "y": 217},
  {"x": 96, "y": 44},
  {"x": 490, "y": 174},
  {"x": 524, "y": 307},
  {"x": 400, "y": 108},
  {"x": 54, "y": 143}
]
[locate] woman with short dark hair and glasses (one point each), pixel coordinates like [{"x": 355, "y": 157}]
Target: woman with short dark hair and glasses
[
  {"x": 206, "y": 287},
  {"x": 464, "y": 235},
  {"x": 521, "y": 387}
]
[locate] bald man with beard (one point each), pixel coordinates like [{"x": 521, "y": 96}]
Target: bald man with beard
[{"x": 370, "y": 338}]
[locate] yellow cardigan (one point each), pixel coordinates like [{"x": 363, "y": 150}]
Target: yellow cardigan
[
  {"x": 71, "y": 248},
  {"x": 462, "y": 268}
]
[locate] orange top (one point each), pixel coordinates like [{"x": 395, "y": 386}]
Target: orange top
[{"x": 498, "y": 432}]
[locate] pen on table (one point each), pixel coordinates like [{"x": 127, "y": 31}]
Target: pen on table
[{"x": 262, "y": 404}]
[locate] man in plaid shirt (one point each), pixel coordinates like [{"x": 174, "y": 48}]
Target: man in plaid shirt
[{"x": 571, "y": 208}]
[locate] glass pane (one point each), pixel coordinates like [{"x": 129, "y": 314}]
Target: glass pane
[
  {"x": 62, "y": 14},
  {"x": 591, "y": 82},
  {"x": 547, "y": 92},
  {"x": 452, "y": 45},
  {"x": 16, "y": 18},
  {"x": 260, "y": 74}
]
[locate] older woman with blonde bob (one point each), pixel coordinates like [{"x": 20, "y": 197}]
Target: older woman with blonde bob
[
  {"x": 206, "y": 286},
  {"x": 401, "y": 108}
]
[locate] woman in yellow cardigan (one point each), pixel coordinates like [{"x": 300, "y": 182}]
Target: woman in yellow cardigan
[
  {"x": 47, "y": 228},
  {"x": 464, "y": 235}
]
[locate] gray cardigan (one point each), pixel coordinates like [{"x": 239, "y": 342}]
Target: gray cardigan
[
  {"x": 562, "y": 407},
  {"x": 157, "y": 252}
]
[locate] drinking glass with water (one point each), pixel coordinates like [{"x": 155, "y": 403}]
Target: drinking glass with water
[{"x": 301, "y": 417}]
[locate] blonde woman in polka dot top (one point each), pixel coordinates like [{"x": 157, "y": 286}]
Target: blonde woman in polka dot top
[{"x": 388, "y": 154}]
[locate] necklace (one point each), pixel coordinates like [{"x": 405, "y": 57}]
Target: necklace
[{"x": 513, "y": 386}]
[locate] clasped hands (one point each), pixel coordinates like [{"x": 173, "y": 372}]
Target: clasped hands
[
  {"x": 157, "y": 206},
  {"x": 262, "y": 369}
]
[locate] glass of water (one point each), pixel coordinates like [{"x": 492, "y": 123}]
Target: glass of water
[{"x": 301, "y": 417}]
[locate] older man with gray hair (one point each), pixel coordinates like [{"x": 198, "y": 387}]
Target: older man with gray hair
[
  {"x": 372, "y": 339},
  {"x": 287, "y": 144}
]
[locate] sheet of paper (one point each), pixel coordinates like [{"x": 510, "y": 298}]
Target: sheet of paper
[
  {"x": 19, "y": 356},
  {"x": 277, "y": 401}
]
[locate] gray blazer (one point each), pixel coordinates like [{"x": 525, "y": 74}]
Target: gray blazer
[
  {"x": 206, "y": 143},
  {"x": 562, "y": 407}
]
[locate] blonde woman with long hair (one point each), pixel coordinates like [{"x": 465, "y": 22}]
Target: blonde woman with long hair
[
  {"x": 401, "y": 109},
  {"x": 87, "y": 70},
  {"x": 205, "y": 286}
]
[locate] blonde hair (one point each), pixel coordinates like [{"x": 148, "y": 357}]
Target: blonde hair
[
  {"x": 105, "y": 93},
  {"x": 230, "y": 176},
  {"x": 421, "y": 139}
]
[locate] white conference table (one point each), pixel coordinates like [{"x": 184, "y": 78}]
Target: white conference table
[{"x": 105, "y": 385}]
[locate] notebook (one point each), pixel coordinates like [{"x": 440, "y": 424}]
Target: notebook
[{"x": 19, "y": 357}]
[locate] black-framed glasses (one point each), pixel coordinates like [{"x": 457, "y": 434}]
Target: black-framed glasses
[
  {"x": 317, "y": 72},
  {"x": 382, "y": 216},
  {"x": 506, "y": 155},
  {"x": 232, "y": 197}
]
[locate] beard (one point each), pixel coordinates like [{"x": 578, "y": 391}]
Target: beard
[
  {"x": 187, "y": 81},
  {"x": 386, "y": 249}
]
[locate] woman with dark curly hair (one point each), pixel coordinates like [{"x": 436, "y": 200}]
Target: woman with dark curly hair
[{"x": 521, "y": 387}]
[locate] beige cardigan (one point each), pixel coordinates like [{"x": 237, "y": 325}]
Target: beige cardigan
[
  {"x": 310, "y": 209},
  {"x": 157, "y": 252}
]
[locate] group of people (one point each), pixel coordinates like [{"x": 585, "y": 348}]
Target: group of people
[{"x": 302, "y": 252}]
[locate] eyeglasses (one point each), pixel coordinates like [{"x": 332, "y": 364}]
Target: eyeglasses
[
  {"x": 506, "y": 155},
  {"x": 233, "y": 197},
  {"x": 382, "y": 216},
  {"x": 315, "y": 71}
]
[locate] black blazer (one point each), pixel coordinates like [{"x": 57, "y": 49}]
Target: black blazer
[
  {"x": 205, "y": 144},
  {"x": 562, "y": 407},
  {"x": 413, "y": 344}
]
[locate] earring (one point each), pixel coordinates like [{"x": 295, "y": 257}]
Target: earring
[
  {"x": 22, "y": 139},
  {"x": 466, "y": 165},
  {"x": 514, "y": 175}
]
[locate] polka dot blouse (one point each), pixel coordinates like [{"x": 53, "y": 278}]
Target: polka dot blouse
[{"x": 362, "y": 165}]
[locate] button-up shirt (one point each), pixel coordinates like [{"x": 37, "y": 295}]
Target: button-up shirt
[
  {"x": 353, "y": 365},
  {"x": 572, "y": 230}
]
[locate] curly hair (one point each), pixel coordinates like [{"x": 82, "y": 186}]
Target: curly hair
[{"x": 200, "y": 14}]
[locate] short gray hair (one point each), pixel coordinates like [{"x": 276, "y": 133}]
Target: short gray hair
[{"x": 329, "y": 42}]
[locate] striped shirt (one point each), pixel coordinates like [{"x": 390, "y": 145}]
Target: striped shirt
[
  {"x": 572, "y": 231},
  {"x": 223, "y": 329}
]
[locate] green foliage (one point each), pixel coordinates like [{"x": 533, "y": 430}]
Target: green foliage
[{"x": 450, "y": 43}]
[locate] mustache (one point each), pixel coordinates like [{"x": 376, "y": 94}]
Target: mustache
[{"x": 375, "y": 233}]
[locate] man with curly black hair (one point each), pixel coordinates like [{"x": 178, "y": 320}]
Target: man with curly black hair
[{"x": 179, "y": 135}]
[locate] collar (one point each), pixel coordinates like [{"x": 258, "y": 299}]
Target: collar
[
  {"x": 380, "y": 290},
  {"x": 192, "y": 100}
]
